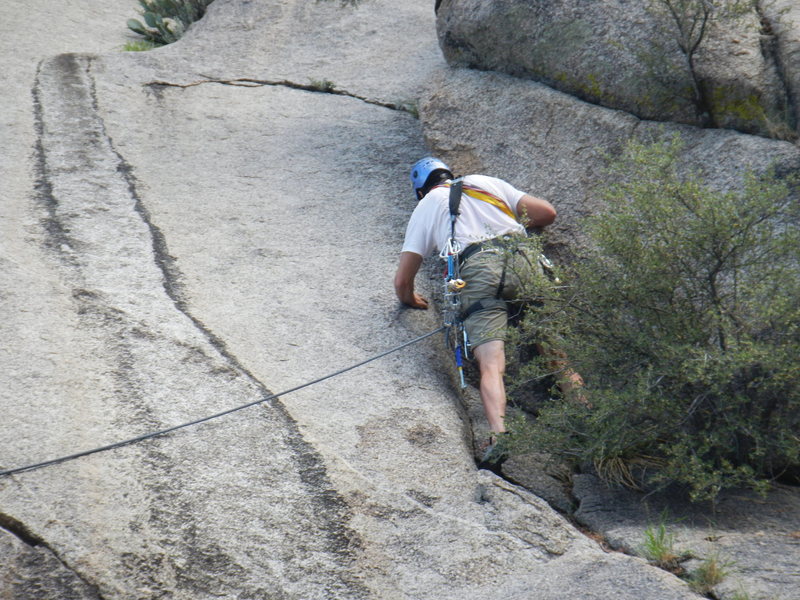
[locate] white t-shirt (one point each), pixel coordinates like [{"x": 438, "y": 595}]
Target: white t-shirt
[{"x": 429, "y": 226}]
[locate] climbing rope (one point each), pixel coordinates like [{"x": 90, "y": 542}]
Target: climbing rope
[{"x": 154, "y": 434}]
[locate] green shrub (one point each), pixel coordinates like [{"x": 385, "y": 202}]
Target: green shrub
[
  {"x": 165, "y": 21},
  {"x": 322, "y": 85},
  {"x": 684, "y": 319}
]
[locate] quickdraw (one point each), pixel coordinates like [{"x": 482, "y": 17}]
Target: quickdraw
[
  {"x": 453, "y": 284},
  {"x": 456, "y": 335}
]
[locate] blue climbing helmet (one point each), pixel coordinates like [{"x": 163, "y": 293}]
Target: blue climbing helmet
[{"x": 422, "y": 169}]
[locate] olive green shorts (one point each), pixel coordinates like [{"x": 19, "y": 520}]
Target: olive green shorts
[{"x": 483, "y": 271}]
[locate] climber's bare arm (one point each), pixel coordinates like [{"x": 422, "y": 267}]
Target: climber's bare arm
[{"x": 407, "y": 269}]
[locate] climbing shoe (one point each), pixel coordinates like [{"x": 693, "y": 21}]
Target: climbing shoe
[{"x": 495, "y": 454}]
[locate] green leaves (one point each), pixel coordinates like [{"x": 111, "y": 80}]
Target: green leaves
[
  {"x": 683, "y": 319},
  {"x": 136, "y": 27},
  {"x": 165, "y": 21}
]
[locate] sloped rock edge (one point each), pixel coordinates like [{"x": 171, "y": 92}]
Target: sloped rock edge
[
  {"x": 622, "y": 56},
  {"x": 753, "y": 537},
  {"x": 34, "y": 571}
]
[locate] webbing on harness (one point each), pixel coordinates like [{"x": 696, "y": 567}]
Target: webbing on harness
[
  {"x": 478, "y": 194},
  {"x": 484, "y": 304},
  {"x": 453, "y": 284},
  {"x": 455, "y": 202}
]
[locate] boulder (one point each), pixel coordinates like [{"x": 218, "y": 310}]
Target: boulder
[
  {"x": 624, "y": 54},
  {"x": 557, "y": 146},
  {"x": 781, "y": 36}
]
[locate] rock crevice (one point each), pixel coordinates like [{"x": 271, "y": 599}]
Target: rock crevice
[
  {"x": 324, "y": 87},
  {"x": 19, "y": 530},
  {"x": 39, "y": 552},
  {"x": 771, "y": 48}
]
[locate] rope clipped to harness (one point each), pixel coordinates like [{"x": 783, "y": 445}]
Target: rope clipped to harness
[{"x": 453, "y": 284}]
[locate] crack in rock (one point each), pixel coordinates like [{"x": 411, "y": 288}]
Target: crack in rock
[
  {"x": 321, "y": 87},
  {"x": 59, "y": 230},
  {"x": 23, "y": 533},
  {"x": 20, "y": 530},
  {"x": 770, "y": 50}
]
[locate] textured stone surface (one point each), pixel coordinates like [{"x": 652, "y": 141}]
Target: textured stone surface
[
  {"x": 314, "y": 42},
  {"x": 32, "y": 571},
  {"x": 756, "y": 539},
  {"x": 189, "y": 242},
  {"x": 554, "y": 145},
  {"x": 541, "y": 475},
  {"x": 782, "y": 38},
  {"x": 620, "y": 54}
]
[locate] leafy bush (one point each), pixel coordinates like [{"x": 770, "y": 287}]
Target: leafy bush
[
  {"x": 165, "y": 21},
  {"x": 684, "y": 319}
]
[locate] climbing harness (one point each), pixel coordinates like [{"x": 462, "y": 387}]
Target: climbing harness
[
  {"x": 454, "y": 313},
  {"x": 456, "y": 334},
  {"x": 147, "y": 436}
]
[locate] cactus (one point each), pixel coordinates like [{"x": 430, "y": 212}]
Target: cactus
[
  {"x": 165, "y": 21},
  {"x": 137, "y": 27}
]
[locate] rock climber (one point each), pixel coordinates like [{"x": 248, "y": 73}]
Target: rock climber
[{"x": 491, "y": 211}]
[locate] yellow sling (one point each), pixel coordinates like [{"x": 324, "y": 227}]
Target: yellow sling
[{"x": 485, "y": 196}]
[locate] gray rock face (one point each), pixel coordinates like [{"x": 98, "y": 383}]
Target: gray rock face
[
  {"x": 199, "y": 227},
  {"x": 194, "y": 232},
  {"x": 553, "y": 145},
  {"x": 32, "y": 571},
  {"x": 756, "y": 540},
  {"x": 625, "y": 55},
  {"x": 783, "y": 40}
]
